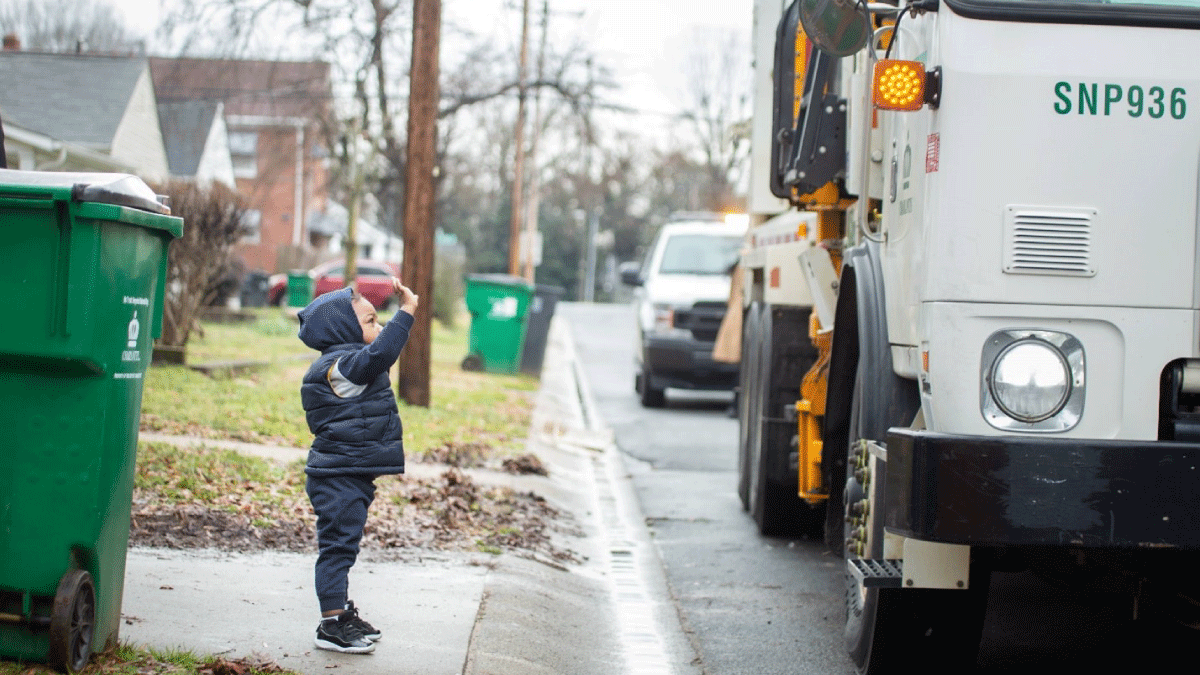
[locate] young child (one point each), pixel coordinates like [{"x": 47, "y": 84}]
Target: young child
[{"x": 352, "y": 411}]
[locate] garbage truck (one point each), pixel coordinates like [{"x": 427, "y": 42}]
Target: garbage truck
[{"x": 971, "y": 315}]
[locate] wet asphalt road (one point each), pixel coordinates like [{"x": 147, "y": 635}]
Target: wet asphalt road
[{"x": 750, "y": 604}]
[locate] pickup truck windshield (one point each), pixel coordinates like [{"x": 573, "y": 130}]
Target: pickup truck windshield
[{"x": 699, "y": 254}]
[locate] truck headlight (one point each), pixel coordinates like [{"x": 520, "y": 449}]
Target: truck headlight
[
  {"x": 1032, "y": 380},
  {"x": 658, "y": 318},
  {"x": 664, "y": 318}
]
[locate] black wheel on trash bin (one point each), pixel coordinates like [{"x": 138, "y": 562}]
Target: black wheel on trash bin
[
  {"x": 473, "y": 363},
  {"x": 73, "y": 622}
]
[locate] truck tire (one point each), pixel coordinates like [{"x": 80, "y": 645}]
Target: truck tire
[
  {"x": 650, "y": 396},
  {"x": 892, "y": 625},
  {"x": 748, "y": 388},
  {"x": 784, "y": 354}
]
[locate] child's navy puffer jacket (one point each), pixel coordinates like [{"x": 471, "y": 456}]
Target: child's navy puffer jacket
[{"x": 347, "y": 395}]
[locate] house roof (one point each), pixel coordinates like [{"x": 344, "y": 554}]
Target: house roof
[
  {"x": 57, "y": 154},
  {"x": 185, "y": 128},
  {"x": 247, "y": 87},
  {"x": 332, "y": 219},
  {"x": 76, "y": 98}
]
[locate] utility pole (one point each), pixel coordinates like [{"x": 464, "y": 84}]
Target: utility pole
[
  {"x": 531, "y": 218},
  {"x": 417, "y": 273},
  {"x": 518, "y": 186},
  {"x": 589, "y": 290},
  {"x": 351, "y": 147}
]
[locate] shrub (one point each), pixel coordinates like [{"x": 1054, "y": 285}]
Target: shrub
[
  {"x": 449, "y": 266},
  {"x": 202, "y": 260}
]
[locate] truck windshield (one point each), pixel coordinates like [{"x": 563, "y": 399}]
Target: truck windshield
[{"x": 699, "y": 254}]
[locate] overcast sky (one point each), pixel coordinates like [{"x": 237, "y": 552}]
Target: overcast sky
[{"x": 646, "y": 42}]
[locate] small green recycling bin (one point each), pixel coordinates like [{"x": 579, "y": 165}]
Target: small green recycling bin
[
  {"x": 499, "y": 305},
  {"x": 299, "y": 288},
  {"x": 83, "y": 282}
]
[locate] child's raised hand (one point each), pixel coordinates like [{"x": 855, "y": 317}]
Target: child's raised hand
[{"x": 408, "y": 299}]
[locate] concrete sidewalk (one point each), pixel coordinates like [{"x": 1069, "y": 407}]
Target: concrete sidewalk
[{"x": 444, "y": 613}]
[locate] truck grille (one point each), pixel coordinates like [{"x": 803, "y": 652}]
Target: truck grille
[
  {"x": 1048, "y": 240},
  {"x": 703, "y": 320}
]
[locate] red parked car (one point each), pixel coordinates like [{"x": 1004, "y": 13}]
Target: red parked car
[{"x": 374, "y": 282}]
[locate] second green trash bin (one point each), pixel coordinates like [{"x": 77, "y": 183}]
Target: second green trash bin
[
  {"x": 85, "y": 271},
  {"x": 499, "y": 305},
  {"x": 299, "y": 288}
]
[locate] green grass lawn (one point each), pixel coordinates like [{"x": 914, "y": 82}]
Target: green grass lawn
[
  {"x": 263, "y": 406},
  {"x": 127, "y": 660},
  {"x": 489, "y": 414}
]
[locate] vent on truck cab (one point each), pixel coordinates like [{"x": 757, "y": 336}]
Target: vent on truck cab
[{"x": 1048, "y": 240}]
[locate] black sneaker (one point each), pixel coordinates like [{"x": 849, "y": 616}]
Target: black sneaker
[
  {"x": 370, "y": 632},
  {"x": 341, "y": 634}
]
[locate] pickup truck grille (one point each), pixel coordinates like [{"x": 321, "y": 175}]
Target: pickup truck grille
[{"x": 703, "y": 320}]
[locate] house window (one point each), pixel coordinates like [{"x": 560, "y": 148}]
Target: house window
[
  {"x": 243, "y": 150},
  {"x": 252, "y": 226}
]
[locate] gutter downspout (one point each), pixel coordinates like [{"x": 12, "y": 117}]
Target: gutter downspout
[
  {"x": 298, "y": 197},
  {"x": 54, "y": 163}
]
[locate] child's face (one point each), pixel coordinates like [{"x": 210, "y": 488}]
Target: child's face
[{"x": 367, "y": 319}]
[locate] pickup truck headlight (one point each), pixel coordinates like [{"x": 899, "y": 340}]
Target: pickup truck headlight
[
  {"x": 659, "y": 318},
  {"x": 1032, "y": 380},
  {"x": 664, "y": 318}
]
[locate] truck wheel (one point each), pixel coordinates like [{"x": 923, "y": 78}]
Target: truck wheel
[
  {"x": 889, "y": 626},
  {"x": 775, "y": 505},
  {"x": 650, "y": 396},
  {"x": 72, "y": 622},
  {"x": 748, "y": 388}
]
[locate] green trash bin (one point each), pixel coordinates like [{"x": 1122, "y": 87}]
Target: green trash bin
[
  {"x": 299, "y": 288},
  {"x": 499, "y": 307},
  {"x": 83, "y": 282}
]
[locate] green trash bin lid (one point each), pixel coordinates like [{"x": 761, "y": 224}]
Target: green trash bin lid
[{"x": 115, "y": 189}]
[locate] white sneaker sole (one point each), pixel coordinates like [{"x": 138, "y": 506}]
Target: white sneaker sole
[{"x": 333, "y": 647}]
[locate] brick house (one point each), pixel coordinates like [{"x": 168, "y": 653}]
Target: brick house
[{"x": 276, "y": 114}]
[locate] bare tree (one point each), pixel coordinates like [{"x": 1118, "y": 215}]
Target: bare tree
[
  {"x": 68, "y": 26},
  {"x": 198, "y": 262},
  {"x": 719, "y": 88}
]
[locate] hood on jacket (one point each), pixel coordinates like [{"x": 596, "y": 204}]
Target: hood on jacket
[{"x": 330, "y": 320}]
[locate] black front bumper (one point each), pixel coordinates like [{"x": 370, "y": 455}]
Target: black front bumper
[
  {"x": 686, "y": 363},
  {"x": 1000, "y": 491}
]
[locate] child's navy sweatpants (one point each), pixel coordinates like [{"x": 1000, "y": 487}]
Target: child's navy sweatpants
[{"x": 340, "y": 503}]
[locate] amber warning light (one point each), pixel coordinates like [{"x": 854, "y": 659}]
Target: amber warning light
[{"x": 904, "y": 85}]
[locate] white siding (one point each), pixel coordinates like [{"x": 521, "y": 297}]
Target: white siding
[
  {"x": 216, "y": 164},
  {"x": 138, "y": 139}
]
